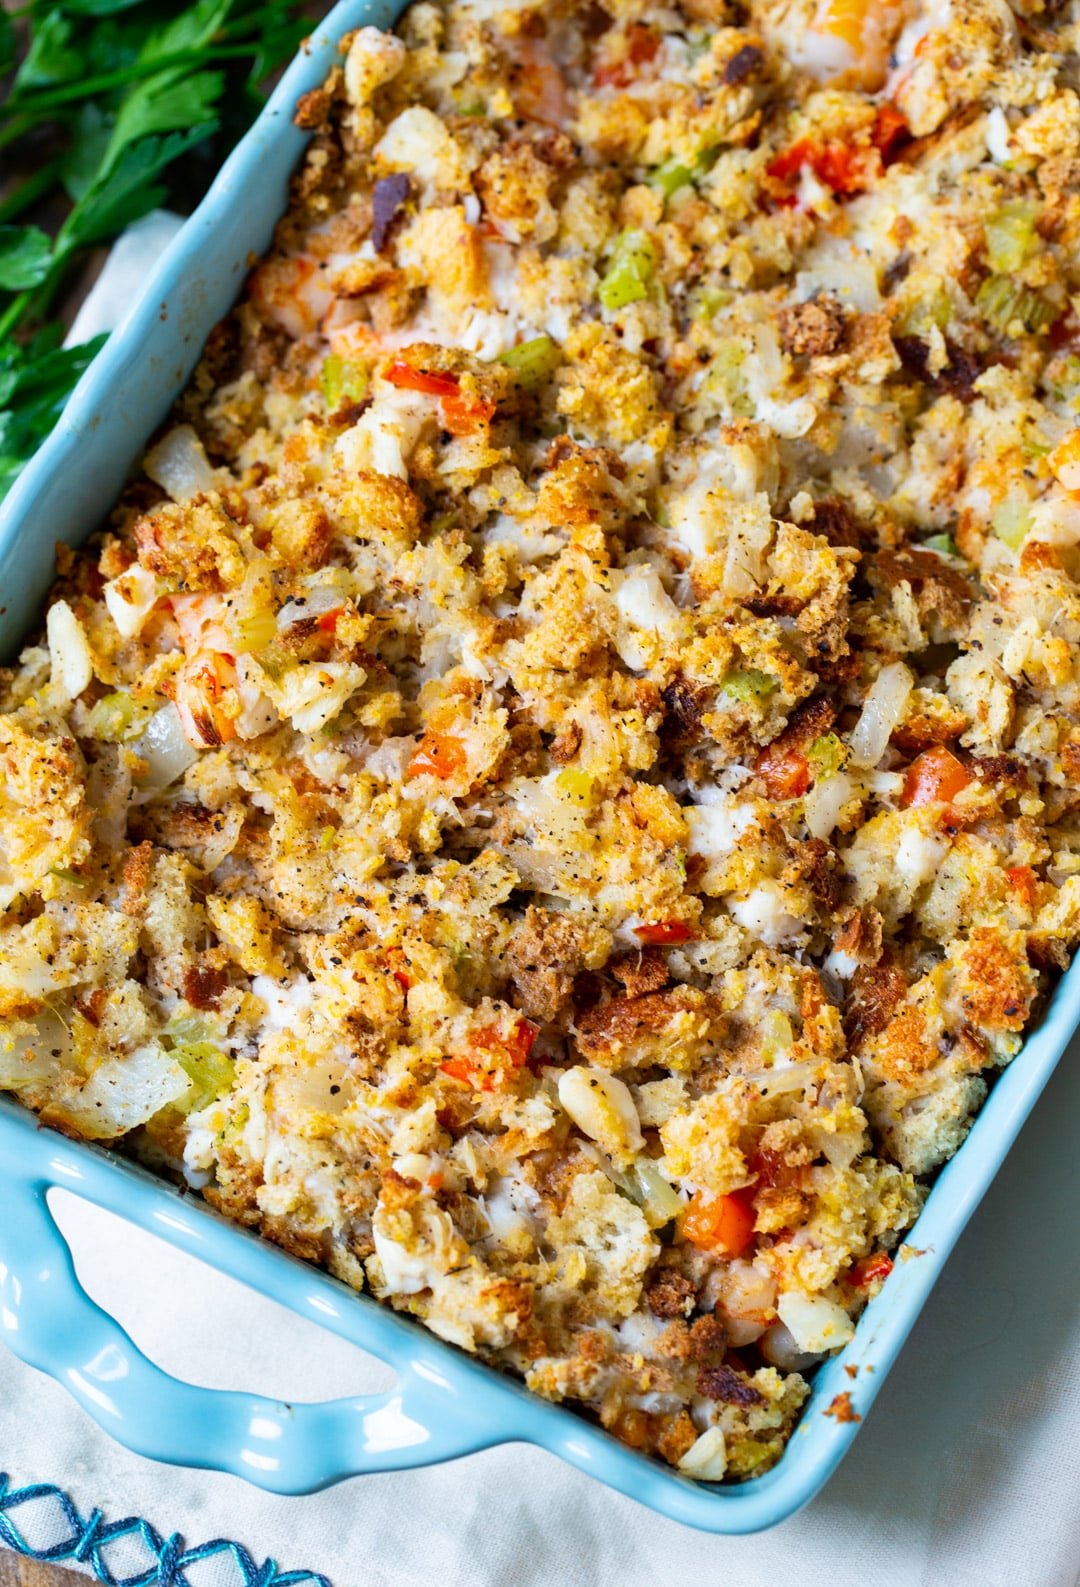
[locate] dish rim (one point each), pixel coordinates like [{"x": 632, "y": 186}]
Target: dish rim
[{"x": 491, "y": 1406}]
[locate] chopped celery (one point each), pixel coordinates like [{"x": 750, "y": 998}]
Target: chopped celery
[
  {"x": 747, "y": 683},
  {"x": 1004, "y": 303},
  {"x": 630, "y": 273},
  {"x": 705, "y": 301},
  {"x": 727, "y": 378},
  {"x": 1062, "y": 380},
  {"x": 1012, "y": 520},
  {"x": 944, "y": 545},
  {"x": 826, "y": 755},
  {"x": 117, "y": 718},
  {"x": 657, "y": 1199},
  {"x": 926, "y": 311},
  {"x": 644, "y": 1185},
  {"x": 669, "y": 177},
  {"x": 1010, "y": 235},
  {"x": 327, "y": 839},
  {"x": 776, "y": 1035},
  {"x": 209, "y": 1070},
  {"x": 191, "y": 1027},
  {"x": 673, "y": 174},
  {"x": 62, "y": 874},
  {"x": 342, "y": 381},
  {"x": 533, "y": 361}
]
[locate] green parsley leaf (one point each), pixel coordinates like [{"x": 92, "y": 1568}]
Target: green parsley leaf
[
  {"x": 193, "y": 29},
  {"x": 166, "y": 103},
  {"x": 35, "y": 382},
  {"x": 119, "y": 93},
  {"x": 7, "y": 43},
  {"x": 128, "y": 191},
  {"x": 25, "y": 256},
  {"x": 98, "y": 8},
  {"x": 51, "y": 57}
]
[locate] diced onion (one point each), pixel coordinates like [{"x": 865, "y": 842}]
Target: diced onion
[
  {"x": 881, "y": 713},
  {"x": 69, "y": 651},
  {"x": 706, "y": 1459},
  {"x": 165, "y": 750},
  {"x": 782, "y": 1079},
  {"x": 124, "y": 1092},
  {"x": 28, "y": 1060},
  {"x": 816, "y": 1323},
  {"x": 318, "y": 601},
  {"x": 179, "y": 465},
  {"x": 130, "y": 598},
  {"x": 824, "y": 803},
  {"x": 839, "y": 267}
]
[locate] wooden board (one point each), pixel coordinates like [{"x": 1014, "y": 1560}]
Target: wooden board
[{"x": 15, "y": 1571}]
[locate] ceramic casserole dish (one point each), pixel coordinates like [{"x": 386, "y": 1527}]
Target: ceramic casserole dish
[{"x": 443, "y": 1404}]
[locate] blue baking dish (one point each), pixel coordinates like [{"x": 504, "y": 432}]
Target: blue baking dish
[{"x": 444, "y": 1404}]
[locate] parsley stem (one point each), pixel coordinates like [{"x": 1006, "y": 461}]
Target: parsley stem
[
  {"x": 29, "y": 192},
  {"x": 13, "y": 313},
  {"x": 40, "y": 103},
  {"x": 14, "y": 129}
]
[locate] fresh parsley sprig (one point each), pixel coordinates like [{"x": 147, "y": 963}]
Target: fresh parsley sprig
[{"x": 108, "y": 101}]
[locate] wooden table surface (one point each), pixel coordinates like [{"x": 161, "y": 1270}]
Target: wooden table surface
[{"x": 18, "y": 1572}]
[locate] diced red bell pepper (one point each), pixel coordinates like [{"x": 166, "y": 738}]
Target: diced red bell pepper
[
  {"x": 395, "y": 957},
  {"x": 510, "y": 1051},
  {"x": 1023, "y": 881},
  {"x": 642, "y": 44},
  {"x": 461, "y": 412},
  {"x": 410, "y": 379},
  {"x": 664, "y": 931},
  {"x": 516, "y": 1046},
  {"x": 468, "y": 1073},
  {"x": 842, "y": 167},
  {"x": 870, "y": 1270},
  {"x": 890, "y": 132}
]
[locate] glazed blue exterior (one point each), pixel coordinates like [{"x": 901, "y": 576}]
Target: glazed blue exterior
[{"x": 444, "y": 1404}]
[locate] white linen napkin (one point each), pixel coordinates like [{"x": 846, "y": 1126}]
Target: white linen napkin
[{"x": 966, "y": 1475}]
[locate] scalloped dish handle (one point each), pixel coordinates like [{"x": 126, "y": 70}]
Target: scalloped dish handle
[{"x": 50, "y": 1322}]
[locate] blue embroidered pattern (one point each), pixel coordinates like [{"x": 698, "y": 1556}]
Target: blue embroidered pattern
[{"x": 88, "y": 1540}]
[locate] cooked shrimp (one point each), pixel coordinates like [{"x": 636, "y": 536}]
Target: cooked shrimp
[
  {"x": 849, "y": 40},
  {"x": 349, "y": 332},
  {"x": 292, "y": 294},
  {"x": 540, "y": 91},
  {"x": 200, "y": 619},
  {"x": 200, "y": 687}
]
